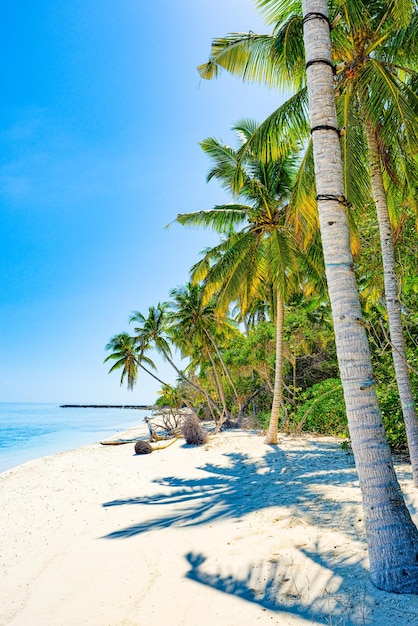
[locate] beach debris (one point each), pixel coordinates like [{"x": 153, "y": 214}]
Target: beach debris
[
  {"x": 164, "y": 424},
  {"x": 193, "y": 431},
  {"x": 143, "y": 447},
  {"x": 119, "y": 442}
]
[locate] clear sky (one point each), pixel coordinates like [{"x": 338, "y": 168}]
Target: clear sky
[{"x": 101, "y": 113}]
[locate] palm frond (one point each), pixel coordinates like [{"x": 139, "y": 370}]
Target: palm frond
[
  {"x": 247, "y": 55},
  {"x": 221, "y": 219},
  {"x": 282, "y": 132},
  {"x": 278, "y": 11},
  {"x": 402, "y": 47},
  {"x": 381, "y": 91},
  {"x": 245, "y": 128},
  {"x": 302, "y": 214},
  {"x": 402, "y": 11},
  {"x": 281, "y": 256},
  {"x": 354, "y": 149}
]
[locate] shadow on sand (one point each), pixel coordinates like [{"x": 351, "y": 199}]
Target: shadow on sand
[
  {"x": 344, "y": 597},
  {"x": 244, "y": 485},
  {"x": 276, "y": 586}
]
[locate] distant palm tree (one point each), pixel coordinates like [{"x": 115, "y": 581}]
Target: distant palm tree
[
  {"x": 153, "y": 330},
  {"x": 195, "y": 321},
  {"x": 129, "y": 357}
]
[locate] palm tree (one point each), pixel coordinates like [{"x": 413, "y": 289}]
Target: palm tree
[
  {"x": 153, "y": 330},
  {"x": 129, "y": 357},
  {"x": 372, "y": 57},
  {"x": 192, "y": 320},
  {"x": 393, "y": 553},
  {"x": 393, "y": 304},
  {"x": 374, "y": 49},
  {"x": 392, "y": 536},
  {"x": 262, "y": 252}
]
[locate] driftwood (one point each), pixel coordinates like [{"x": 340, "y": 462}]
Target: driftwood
[
  {"x": 165, "y": 424},
  {"x": 143, "y": 447},
  {"x": 119, "y": 442}
]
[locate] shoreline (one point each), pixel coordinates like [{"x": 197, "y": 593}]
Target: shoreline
[
  {"x": 33, "y": 431},
  {"x": 231, "y": 532}
]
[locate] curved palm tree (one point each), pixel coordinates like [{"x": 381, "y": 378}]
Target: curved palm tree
[
  {"x": 374, "y": 49},
  {"x": 262, "y": 251},
  {"x": 129, "y": 357},
  {"x": 154, "y": 330}
]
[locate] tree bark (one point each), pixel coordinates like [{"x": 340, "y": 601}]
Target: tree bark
[
  {"x": 392, "y": 536},
  {"x": 219, "y": 385},
  {"x": 226, "y": 370},
  {"x": 273, "y": 429},
  {"x": 393, "y": 305}
]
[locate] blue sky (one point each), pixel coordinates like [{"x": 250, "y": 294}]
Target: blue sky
[{"x": 101, "y": 115}]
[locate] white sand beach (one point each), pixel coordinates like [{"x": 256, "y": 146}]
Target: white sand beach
[{"x": 234, "y": 532}]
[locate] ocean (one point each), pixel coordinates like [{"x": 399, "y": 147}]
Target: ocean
[{"x": 31, "y": 431}]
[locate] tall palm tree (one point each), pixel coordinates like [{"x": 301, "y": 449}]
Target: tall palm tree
[
  {"x": 392, "y": 536},
  {"x": 262, "y": 251},
  {"x": 374, "y": 47}
]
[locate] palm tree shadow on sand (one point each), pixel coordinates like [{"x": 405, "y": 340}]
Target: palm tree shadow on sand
[
  {"x": 275, "y": 587},
  {"x": 244, "y": 485},
  {"x": 339, "y": 595},
  {"x": 344, "y": 596}
]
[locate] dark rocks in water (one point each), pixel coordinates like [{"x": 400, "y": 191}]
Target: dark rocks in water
[
  {"x": 143, "y": 447},
  {"x": 142, "y": 407}
]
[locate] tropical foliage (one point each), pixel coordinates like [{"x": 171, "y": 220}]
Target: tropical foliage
[{"x": 254, "y": 324}]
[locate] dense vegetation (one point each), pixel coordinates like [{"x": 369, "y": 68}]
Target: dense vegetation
[
  {"x": 242, "y": 346},
  {"x": 339, "y": 160},
  {"x": 254, "y": 322}
]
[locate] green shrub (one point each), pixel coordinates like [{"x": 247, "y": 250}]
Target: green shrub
[
  {"x": 390, "y": 406},
  {"x": 263, "y": 419},
  {"x": 321, "y": 409}
]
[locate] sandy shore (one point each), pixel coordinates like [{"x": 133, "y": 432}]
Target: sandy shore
[{"x": 231, "y": 533}]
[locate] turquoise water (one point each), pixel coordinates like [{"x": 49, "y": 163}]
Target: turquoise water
[{"x": 31, "y": 431}]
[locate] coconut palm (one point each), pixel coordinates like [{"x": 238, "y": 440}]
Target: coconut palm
[
  {"x": 262, "y": 251},
  {"x": 129, "y": 357},
  {"x": 154, "y": 330},
  {"x": 193, "y": 320},
  {"x": 375, "y": 52},
  {"x": 392, "y": 536}
]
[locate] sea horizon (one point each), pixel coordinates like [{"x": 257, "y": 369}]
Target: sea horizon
[{"x": 33, "y": 430}]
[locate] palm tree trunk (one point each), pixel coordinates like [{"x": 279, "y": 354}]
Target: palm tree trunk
[
  {"x": 392, "y": 536},
  {"x": 393, "y": 306},
  {"x": 219, "y": 385},
  {"x": 154, "y": 376},
  {"x": 273, "y": 429},
  {"x": 226, "y": 370}
]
